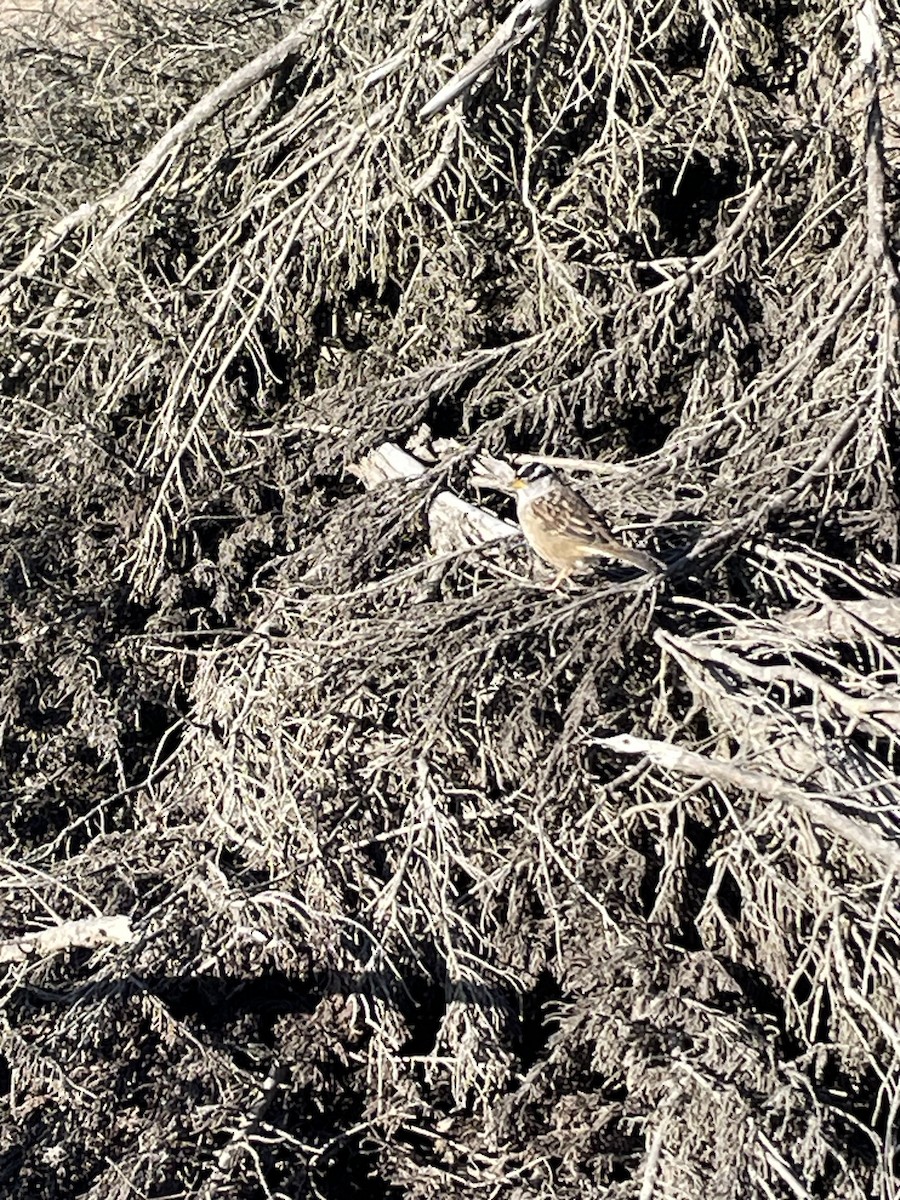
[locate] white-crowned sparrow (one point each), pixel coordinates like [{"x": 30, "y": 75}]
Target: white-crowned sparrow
[{"x": 563, "y": 529}]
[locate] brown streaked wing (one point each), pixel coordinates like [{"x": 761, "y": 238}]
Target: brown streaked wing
[{"x": 573, "y": 516}]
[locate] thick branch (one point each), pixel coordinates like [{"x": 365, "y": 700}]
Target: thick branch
[
  {"x": 89, "y": 934},
  {"x": 521, "y": 22},
  {"x": 871, "y": 53},
  {"x": 453, "y": 522},
  {"x": 880, "y": 710},
  {"x": 116, "y": 202},
  {"x": 844, "y": 620},
  {"x": 730, "y": 774}
]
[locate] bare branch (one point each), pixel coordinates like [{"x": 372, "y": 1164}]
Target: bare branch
[
  {"x": 731, "y": 774},
  {"x": 122, "y": 200},
  {"x": 524, "y": 19},
  {"x": 89, "y": 934}
]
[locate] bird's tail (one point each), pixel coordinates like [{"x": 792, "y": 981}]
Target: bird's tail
[{"x": 639, "y": 558}]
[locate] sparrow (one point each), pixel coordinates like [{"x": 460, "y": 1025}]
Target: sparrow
[{"x": 563, "y": 529}]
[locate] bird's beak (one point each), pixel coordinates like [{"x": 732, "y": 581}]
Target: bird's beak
[{"x": 518, "y": 483}]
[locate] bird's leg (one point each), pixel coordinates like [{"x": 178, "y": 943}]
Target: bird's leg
[{"x": 561, "y": 577}]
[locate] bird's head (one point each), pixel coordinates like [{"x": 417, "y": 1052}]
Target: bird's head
[{"x": 532, "y": 473}]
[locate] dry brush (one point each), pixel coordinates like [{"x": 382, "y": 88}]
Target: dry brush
[{"x": 343, "y": 855}]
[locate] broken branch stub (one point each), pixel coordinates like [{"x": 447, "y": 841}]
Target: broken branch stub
[{"x": 453, "y": 523}]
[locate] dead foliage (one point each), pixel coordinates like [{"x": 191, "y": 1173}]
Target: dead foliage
[{"x": 343, "y": 856}]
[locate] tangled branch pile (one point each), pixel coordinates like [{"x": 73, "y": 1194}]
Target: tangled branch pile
[{"x": 344, "y": 855}]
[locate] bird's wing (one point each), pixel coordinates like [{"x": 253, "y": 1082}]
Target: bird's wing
[{"x": 573, "y": 517}]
